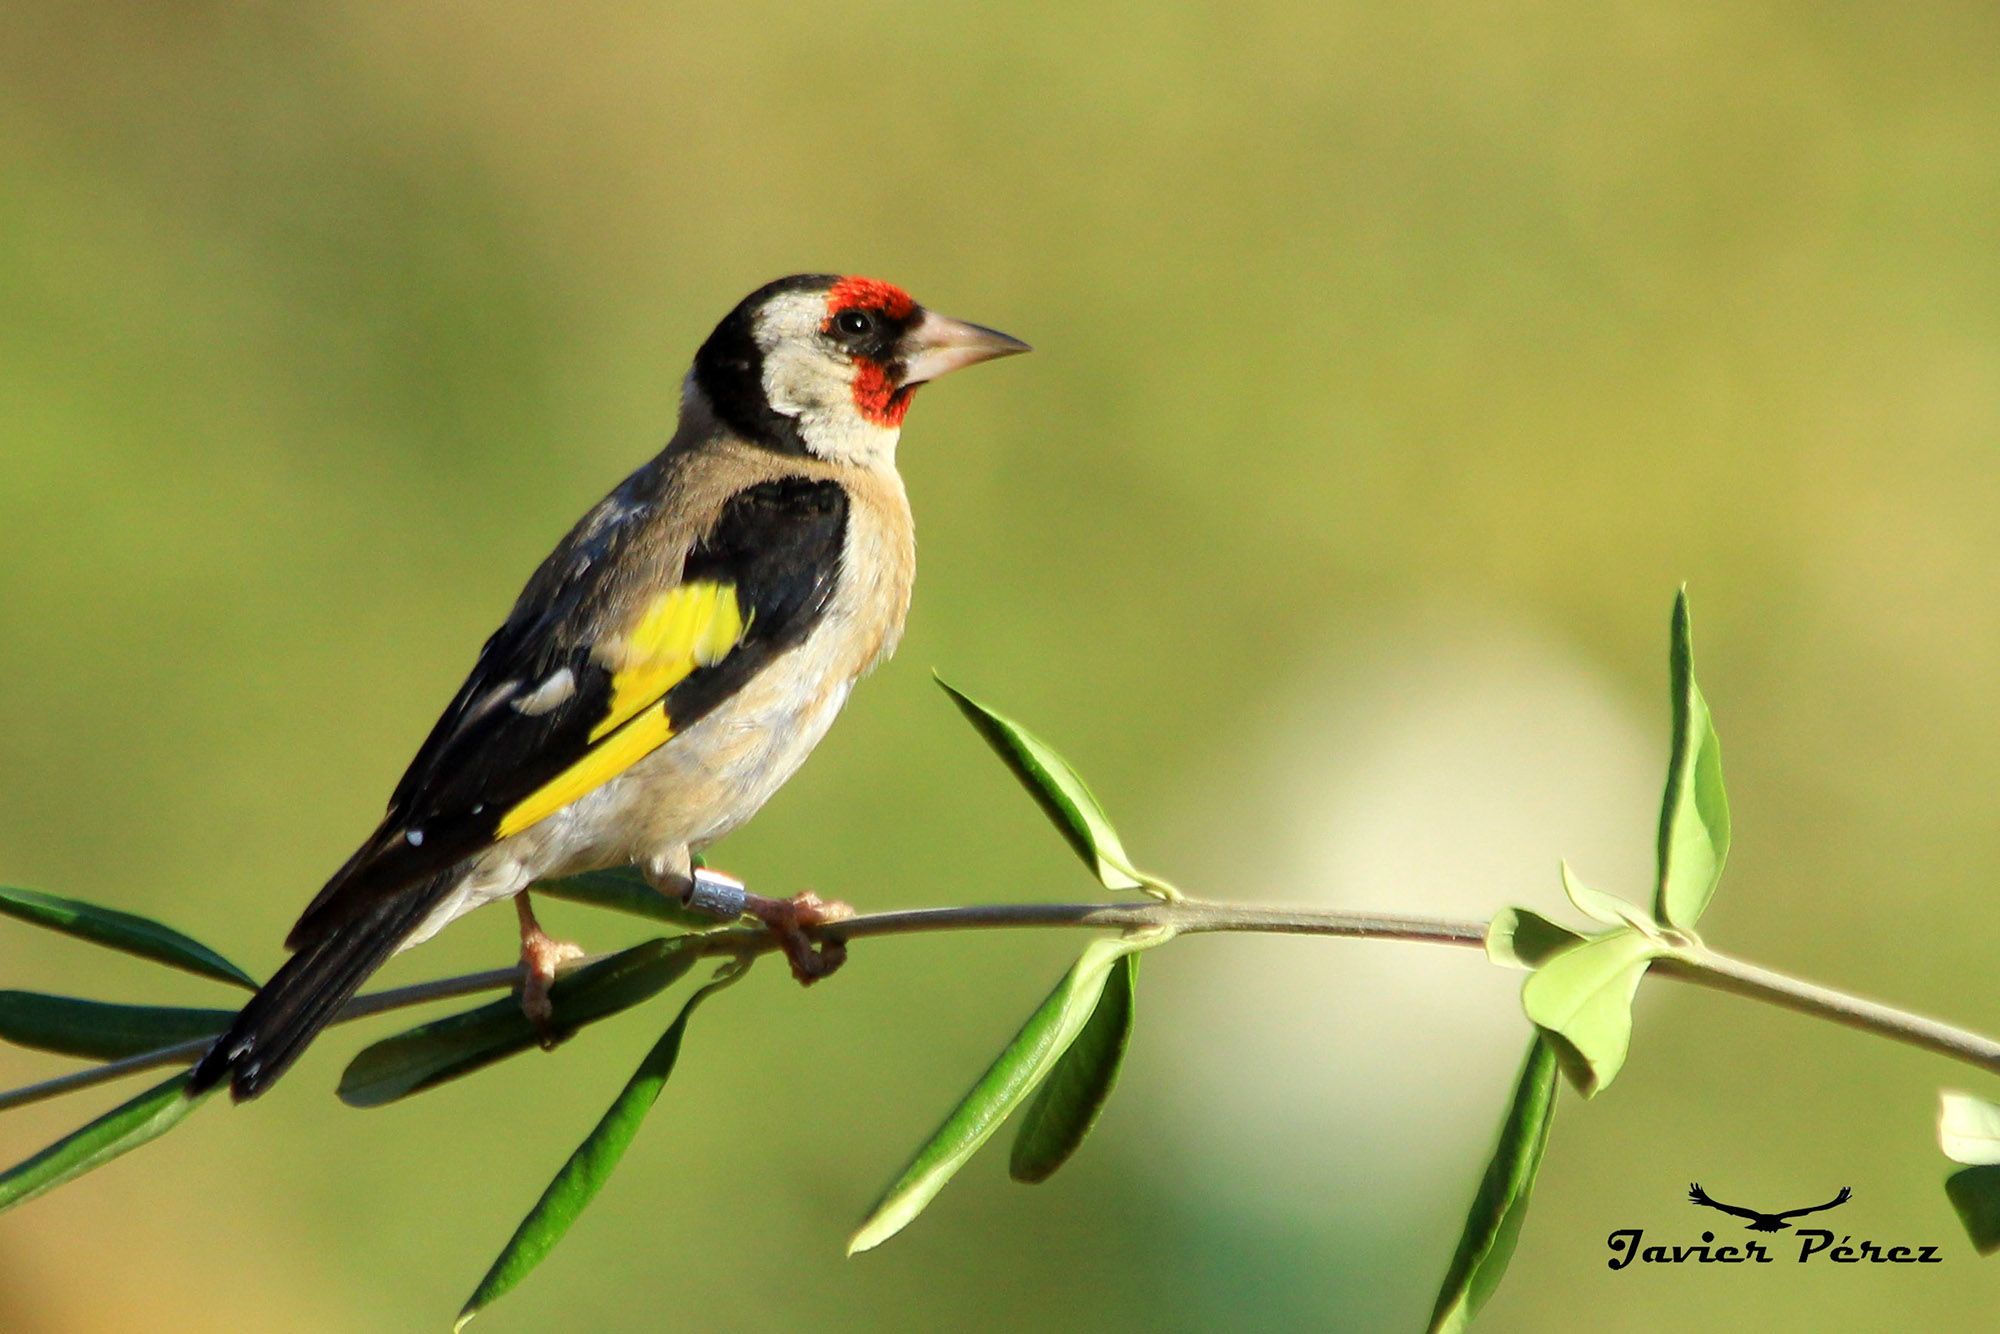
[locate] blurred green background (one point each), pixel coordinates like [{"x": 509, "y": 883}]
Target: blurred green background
[{"x": 1395, "y": 362}]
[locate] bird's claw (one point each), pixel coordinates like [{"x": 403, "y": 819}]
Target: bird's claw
[
  {"x": 541, "y": 957},
  {"x": 792, "y": 920}
]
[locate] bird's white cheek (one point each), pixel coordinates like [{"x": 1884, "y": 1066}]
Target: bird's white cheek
[{"x": 799, "y": 384}]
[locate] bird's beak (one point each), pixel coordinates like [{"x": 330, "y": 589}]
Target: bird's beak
[{"x": 940, "y": 344}]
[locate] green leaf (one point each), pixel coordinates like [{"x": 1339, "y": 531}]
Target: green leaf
[
  {"x": 433, "y": 1053},
  {"x": 1494, "y": 1223},
  {"x": 99, "y": 1030},
  {"x": 1602, "y": 907},
  {"x": 119, "y": 1131},
  {"x": 1058, "y": 790},
  {"x": 1975, "y": 1194},
  {"x": 1968, "y": 1128},
  {"x": 1013, "y": 1075},
  {"x": 1694, "y": 816},
  {"x": 624, "y": 890},
  {"x": 579, "y": 1180},
  {"x": 121, "y": 931},
  {"x": 1583, "y": 997},
  {"x": 1069, "y": 1101},
  {"x": 1522, "y": 938}
]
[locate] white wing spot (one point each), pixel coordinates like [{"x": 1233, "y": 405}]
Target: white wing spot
[
  {"x": 415, "y": 838},
  {"x": 548, "y": 695}
]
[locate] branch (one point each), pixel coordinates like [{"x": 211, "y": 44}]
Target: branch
[
  {"x": 1185, "y": 916},
  {"x": 1739, "y": 977}
]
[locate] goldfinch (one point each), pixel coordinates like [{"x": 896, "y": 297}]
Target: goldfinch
[{"x": 665, "y": 670}]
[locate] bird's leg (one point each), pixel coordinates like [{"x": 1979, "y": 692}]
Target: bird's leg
[
  {"x": 787, "y": 919},
  {"x": 541, "y": 954}
]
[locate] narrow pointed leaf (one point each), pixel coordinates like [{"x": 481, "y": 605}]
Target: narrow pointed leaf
[
  {"x": 428, "y": 1055},
  {"x": 1493, "y": 1225},
  {"x": 1583, "y": 997},
  {"x": 1521, "y": 938},
  {"x": 1070, "y": 1100},
  {"x": 1694, "y": 816},
  {"x": 1968, "y": 1129},
  {"x": 1602, "y": 907},
  {"x": 1058, "y": 789},
  {"x": 99, "y": 1030},
  {"x": 1006, "y": 1083},
  {"x": 1975, "y": 1195},
  {"x": 119, "y": 1131},
  {"x": 121, "y": 931},
  {"x": 624, "y": 890},
  {"x": 584, "y": 1175}
]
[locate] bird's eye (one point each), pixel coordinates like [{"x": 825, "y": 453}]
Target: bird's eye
[{"x": 853, "y": 322}]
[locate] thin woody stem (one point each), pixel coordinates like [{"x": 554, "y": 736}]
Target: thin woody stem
[
  {"x": 1739, "y": 977},
  {"x": 1185, "y": 916}
]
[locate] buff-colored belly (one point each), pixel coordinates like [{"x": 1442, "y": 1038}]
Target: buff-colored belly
[{"x": 699, "y": 786}]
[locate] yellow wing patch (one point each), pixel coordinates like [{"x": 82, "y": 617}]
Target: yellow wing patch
[
  {"x": 630, "y": 744},
  {"x": 688, "y": 626}
]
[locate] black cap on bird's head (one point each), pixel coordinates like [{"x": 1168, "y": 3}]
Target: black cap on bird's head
[{"x": 825, "y": 365}]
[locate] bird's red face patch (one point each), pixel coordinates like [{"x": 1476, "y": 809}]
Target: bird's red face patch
[
  {"x": 876, "y": 394},
  {"x": 869, "y": 294}
]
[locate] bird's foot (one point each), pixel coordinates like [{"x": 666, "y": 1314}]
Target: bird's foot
[
  {"x": 790, "y": 920},
  {"x": 541, "y": 956}
]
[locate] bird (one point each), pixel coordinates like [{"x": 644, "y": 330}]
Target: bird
[
  {"x": 665, "y": 669},
  {"x": 1766, "y": 1222}
]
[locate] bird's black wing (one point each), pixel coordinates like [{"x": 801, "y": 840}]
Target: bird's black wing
[
  {"x": 1845, "y": 1195},
  {"x": 1700, "y": 1196},
  {"x": 552, "y": 710}
]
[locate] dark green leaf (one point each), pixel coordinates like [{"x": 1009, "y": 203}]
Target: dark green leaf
[
  {"x": 1694, "y": 816},
  {"x": 1583, "y": 997},
  {"x": 1005, "y": 1085},
  {"x": 1070, "y": 1099},
  {"x": 99, "y": 1030},
  {"x": 426, "y": 1056},
  {"x": 577, "y": 1184},
  {"x": 1975, "y": 1194},
  {"x": 623, "y": 890},
  {"x": 1520, "y": 938},
  {"x": 121, "y": 931},
  {"x": 1493, "y": 1224},
  {"x": 119, "y": 1131},
  {"x": 1058, "y": 790}
]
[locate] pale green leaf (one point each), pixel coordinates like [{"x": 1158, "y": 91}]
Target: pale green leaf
[
  {"x": 1058, "y": 790},
  {"x": 1522, "y": 938},
  {"x": 1006, "y": 1083},
  {"x": 1493, "y": 1225},
  {"x": 1073, "y": 1096},
  {"x": 1583, "y": 996},
  {"x": 122, "y": 931},
  {"x": 1602, "y": 907},
  {"x": 1968, "y": 1128},
  {"x": 1694, "y": 815}
]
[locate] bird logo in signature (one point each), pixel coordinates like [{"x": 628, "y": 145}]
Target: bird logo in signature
[{"x": 1778, "y": 1222}]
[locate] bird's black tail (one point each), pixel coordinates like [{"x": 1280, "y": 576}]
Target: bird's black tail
[{"x": 303, "y": 996}]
